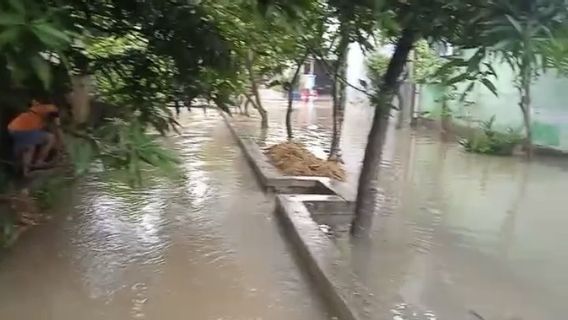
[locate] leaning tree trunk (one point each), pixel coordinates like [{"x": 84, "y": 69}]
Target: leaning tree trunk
[
  {"x": 263, "y": 113},
  {"x": 339, "y": 93},
  {"x": 299, "y": 65},
  {"x": 248, "y": 102},
  {"x": 367, "y": 189}
]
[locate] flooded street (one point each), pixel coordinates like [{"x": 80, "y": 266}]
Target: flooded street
[
  {"x": 203, "y": 246},
  {"x": 283, "y": 160},
  {"x": 457, "y": 235}
]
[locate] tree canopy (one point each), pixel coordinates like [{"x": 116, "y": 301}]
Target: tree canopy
[{"x": 146, "y": 54}]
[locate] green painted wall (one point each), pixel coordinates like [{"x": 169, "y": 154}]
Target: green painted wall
[{"x": 549, "y": 107}]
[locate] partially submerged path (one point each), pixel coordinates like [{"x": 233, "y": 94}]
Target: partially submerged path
[
  {"x": 205, "y": 246},
  {"x": 456, "y": 235}
]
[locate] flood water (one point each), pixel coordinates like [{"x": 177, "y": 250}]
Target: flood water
[
  {"x": 202, "y": 246},
  {"x": 462, "y": 236},
  {"x": 457, "y": 235}
]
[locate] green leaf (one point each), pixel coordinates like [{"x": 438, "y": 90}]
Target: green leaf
[
  {"x": 18, "y": 5},
  {"x": 42, "y": 70},
  {"x": 473, "y": 63},
  {"x": 50, "y": 36},
  {"x": 19, "y": 74},
  {"x": 457, "y": 79},
  {"x": 8, "y": 36},
  {"x": 64, "y": 60},
  {"x": 490, "y": 86},
  {"x": 467, "y": 91},
  {"x": 10, "y": 19},
  {"x": 454, "y": 63},
  {"x": 504, "y": 44},
  {"x": 491, "y": 69},
  {"x": 515, "y": 24}
]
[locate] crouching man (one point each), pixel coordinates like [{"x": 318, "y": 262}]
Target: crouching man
[{"x": 36, "y": 133}]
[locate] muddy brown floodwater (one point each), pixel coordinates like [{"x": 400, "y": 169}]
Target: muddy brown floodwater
[
  {"x": 463, "y": 236},
  {"x": 203, "y": 246},
  {"x": 457, "y": 235}
]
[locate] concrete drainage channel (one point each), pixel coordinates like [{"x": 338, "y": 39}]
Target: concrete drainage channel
[{"x": 300, "y": 202}]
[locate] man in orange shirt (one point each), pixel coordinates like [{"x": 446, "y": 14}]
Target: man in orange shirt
[{"x": 33, "y": 130}]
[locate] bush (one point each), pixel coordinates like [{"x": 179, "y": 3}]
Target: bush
[{"x": 490, "y": 141}]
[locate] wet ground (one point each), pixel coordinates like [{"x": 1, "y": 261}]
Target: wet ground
[
  {"x": 203, "y": 246},
  {"x": 456, "y": 236}
]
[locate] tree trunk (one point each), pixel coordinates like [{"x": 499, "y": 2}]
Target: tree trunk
[
  {"x": 400, "y": 119},
  {"x": 246, "y": 107},
  {"x": 263, "y": 113},
  {"x": 177, "y": 107},
  {"x": 529, "y": 148},
  {"x": 80, "y": 99},
  {"x": 335, "y": 133},
  {"x": 367, "y": 189},
  {"x": 445, "y": 118},
  {"x": 289, "y": 112},
  {"x": 415, "y": 106},
  {"x": 339, "y": 93},
  {"x": 404, "y": 106},
  {"x": 525, "y": 104},
  {"x": 413, "y": 89},
  {"x": 299, "y": 65}
]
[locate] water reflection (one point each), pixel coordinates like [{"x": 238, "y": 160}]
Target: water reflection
[
  {"x": 456, "y": 235},
  {"x": 202, "y": 246},
  {"x": 124, "y": 228},
  {"x": 459, "y": 234}
]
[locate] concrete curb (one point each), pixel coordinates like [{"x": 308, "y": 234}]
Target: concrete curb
[
  {"x": 271, "y": 179},
  {"x": 330, "y": 272}
]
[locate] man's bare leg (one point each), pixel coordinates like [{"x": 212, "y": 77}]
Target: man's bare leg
[
  {"x": 27, "y": 157},
  {"x": 45, "y": 149}
]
